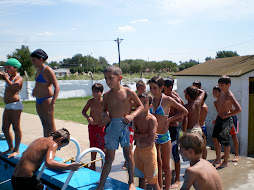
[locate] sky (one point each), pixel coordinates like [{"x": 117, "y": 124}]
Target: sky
[{"x": 152, "y": 30}]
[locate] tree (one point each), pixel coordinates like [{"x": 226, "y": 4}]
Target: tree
[
  {"x": 187, "y": 64},
  {"x": 208, "y": 58},
  {"x": 23, "y": 55},
  {"x": 222, "y": 54}
]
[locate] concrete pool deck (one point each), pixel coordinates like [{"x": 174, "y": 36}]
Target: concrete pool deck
[{"x": 238, "y": 175}]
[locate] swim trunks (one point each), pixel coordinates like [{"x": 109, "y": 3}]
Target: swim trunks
[
  {"x": 204, "y": 130},
  {"x": 163, "y": 138},
  {"x": 196, "y": 130},
  {"x": 174, "y": 134},
  {"x": 96, "y": 136},
  {"x": 117, "y": 132},
  {"x": 146, "y": 163},
  {"x": 221, "y": 130},
  {"x": 131, "y": 132},
  {"x": 14, "y": 106},
  {"x": 234, "y": 129},
  {"x": 30, "y": 183}
]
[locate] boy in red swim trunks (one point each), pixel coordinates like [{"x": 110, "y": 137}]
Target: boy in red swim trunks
[{"x": 95, "y": 126}]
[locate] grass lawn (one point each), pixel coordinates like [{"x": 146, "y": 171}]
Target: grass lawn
[{"x": 65, "y": 109}]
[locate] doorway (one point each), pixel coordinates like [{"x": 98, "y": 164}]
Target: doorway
[{"x": 251, "y": 117}]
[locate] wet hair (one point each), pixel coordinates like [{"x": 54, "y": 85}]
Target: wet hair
[
  {"x": 217, "y": 88},
  {"x": 168, "y": 82},
  {"x": 61, "y": 133},
  {"x": 140, "y": 83},
  {"x": 114, "y": 69},
  {"x": 224, "y": 80},
  {"x": 40, "y": 54},
  {"x": 126, "y": 86},
  {"x": 192, "y": 91},
  {"x": 157, "y": 80},
  {"x": 197, "y": 83},
  {"x": 193, "y": 141},
  {"x": 147, "y": 96},
  {"x": 97, "y": 86}
]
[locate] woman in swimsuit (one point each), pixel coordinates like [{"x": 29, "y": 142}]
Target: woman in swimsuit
[
  {"x": 13, "y": 105},
  {"x": 161, "y": 107},
  {"x": 45, "y": 97}
]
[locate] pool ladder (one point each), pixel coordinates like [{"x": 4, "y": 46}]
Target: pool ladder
[{"x": 78, "y": 158}]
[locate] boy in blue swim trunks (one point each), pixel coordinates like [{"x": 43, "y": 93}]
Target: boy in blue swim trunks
[{"x": 116, "y": 116}]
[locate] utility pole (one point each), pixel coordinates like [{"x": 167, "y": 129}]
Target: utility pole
[{"x": 118, "y": 41}]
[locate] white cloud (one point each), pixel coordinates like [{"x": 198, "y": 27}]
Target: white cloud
[
  {"x": 139, "y": 20},
  {"x": 126, "y": 28},
  {"x": 46, "y": 34},
  {"x": 175, "y": 22},
  {"x": 213, "y": 9}
]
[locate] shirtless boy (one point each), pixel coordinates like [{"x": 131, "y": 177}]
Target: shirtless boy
[
  {"x": 13, "y": 106},
  {"x": 194, "y": 96},
  {"x": 174, "y": 130},
  {"x": 117, "y": 104},
  {"x": 95, "y": 126},
  {"x": 145, "y": 154},
  {"x": 201, "y": 173},
  {"x": 224, "y": 120},
  {"x": 141, "y": 87},
  {"x": 42, "y": 149},
  {"x": 43, "y": 91}
]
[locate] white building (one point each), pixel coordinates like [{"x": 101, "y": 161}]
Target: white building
[
  {"x": 62, "y": 72},
  {"x": 241, "y": 71}
]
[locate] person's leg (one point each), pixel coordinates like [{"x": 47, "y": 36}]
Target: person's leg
[
  {"x": 42, "y": 118},
  {"x": 160, "y": 181},
  {"x": 155, "y": 186},
  {"x": 217, "y": 147},
  {"x": 142, "y": 183},
  {"x": 110, "y": 156},
  {"x": 226, "y": 156},
  {"x": 128, "y": 154},
  {"x": 165, "y": 155},
  {"x": 204, "y": 154},
  {"x": 6, "y": 129},
  {"x": 236, "y": 146},
  {"x": 93, "y": 157},
  {"x": 15, "y": 120}
]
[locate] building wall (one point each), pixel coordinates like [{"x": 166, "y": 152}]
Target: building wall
[{"x": 207, "y": 84}]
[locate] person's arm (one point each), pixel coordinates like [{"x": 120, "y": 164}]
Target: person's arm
[
  {"x": 203, "y": 114},
  {"x": 185, "y": 123},
  {"x": 189, "y": 179},
  {"x": 139, "y": 107},
  {"x": 182, "y": 111},
  {"x": 53, "y": 81},
  {"x": 105, "y": 115},
  {"x": 85, "y": 109},
  {"x": 200, "y": 97},
  {"x": 237, "y": 109},
  {"x": 13, "y": 86},
  {"x": 51, "y": 163}
]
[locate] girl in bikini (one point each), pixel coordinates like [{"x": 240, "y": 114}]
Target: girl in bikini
[
  {"x": 45, "y": 97},
  {"x": 161, "y": 107},
  {"x": 13, "y": 105}
]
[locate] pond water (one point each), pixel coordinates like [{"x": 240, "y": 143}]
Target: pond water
[{"x": 71, "y": 88}]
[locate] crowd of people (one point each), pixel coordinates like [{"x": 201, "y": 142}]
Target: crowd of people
[{"x": 149, "y": 123}]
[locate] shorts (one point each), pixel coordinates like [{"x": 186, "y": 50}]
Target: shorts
[
  {"x": 117, "y": 132},
  {"x": 146, "y": 164},
  {"x": 222, "y": 129},
  {"x": 235, "y": 128},
  {"x": 131, "y": 133},
  {"x": 29, "y": 183},
  {"x": 14, "y": 106},
  {"x": 196, "y": 130},
  {"x": 174, "y": 134},
  {"x": 204, "y": 130},
  {"x": 163, "y": 138},
  {"x": 96, "y": 136}
]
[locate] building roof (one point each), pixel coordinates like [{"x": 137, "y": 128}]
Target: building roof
[
  {"x": 61, "y": 70},
  {"x": 230, "y": 66}
]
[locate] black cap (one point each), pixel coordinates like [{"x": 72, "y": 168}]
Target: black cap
[{"x": 39, "y": 53}]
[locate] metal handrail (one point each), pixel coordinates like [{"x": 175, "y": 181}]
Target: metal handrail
[{"x": 93, "y": 149}]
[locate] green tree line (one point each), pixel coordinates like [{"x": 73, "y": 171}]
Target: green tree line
[{"x": 79, "y": 63}]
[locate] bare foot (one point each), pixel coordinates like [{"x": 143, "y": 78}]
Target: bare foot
[
  {"x": 124, "y": 166},
  {"x": 216, "y": 162},
  {"x": 175, "y": 185},
  {"x": 222, "y": 157},
  {"x": 13, "y": 154},
  {"x": 99, "y": 187},
  {"x": 235, "y": 158},
  {"x": 7, "y": 151},
  {"x": 132, "y": 186},
  {"x": 222, "y": 165}
]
